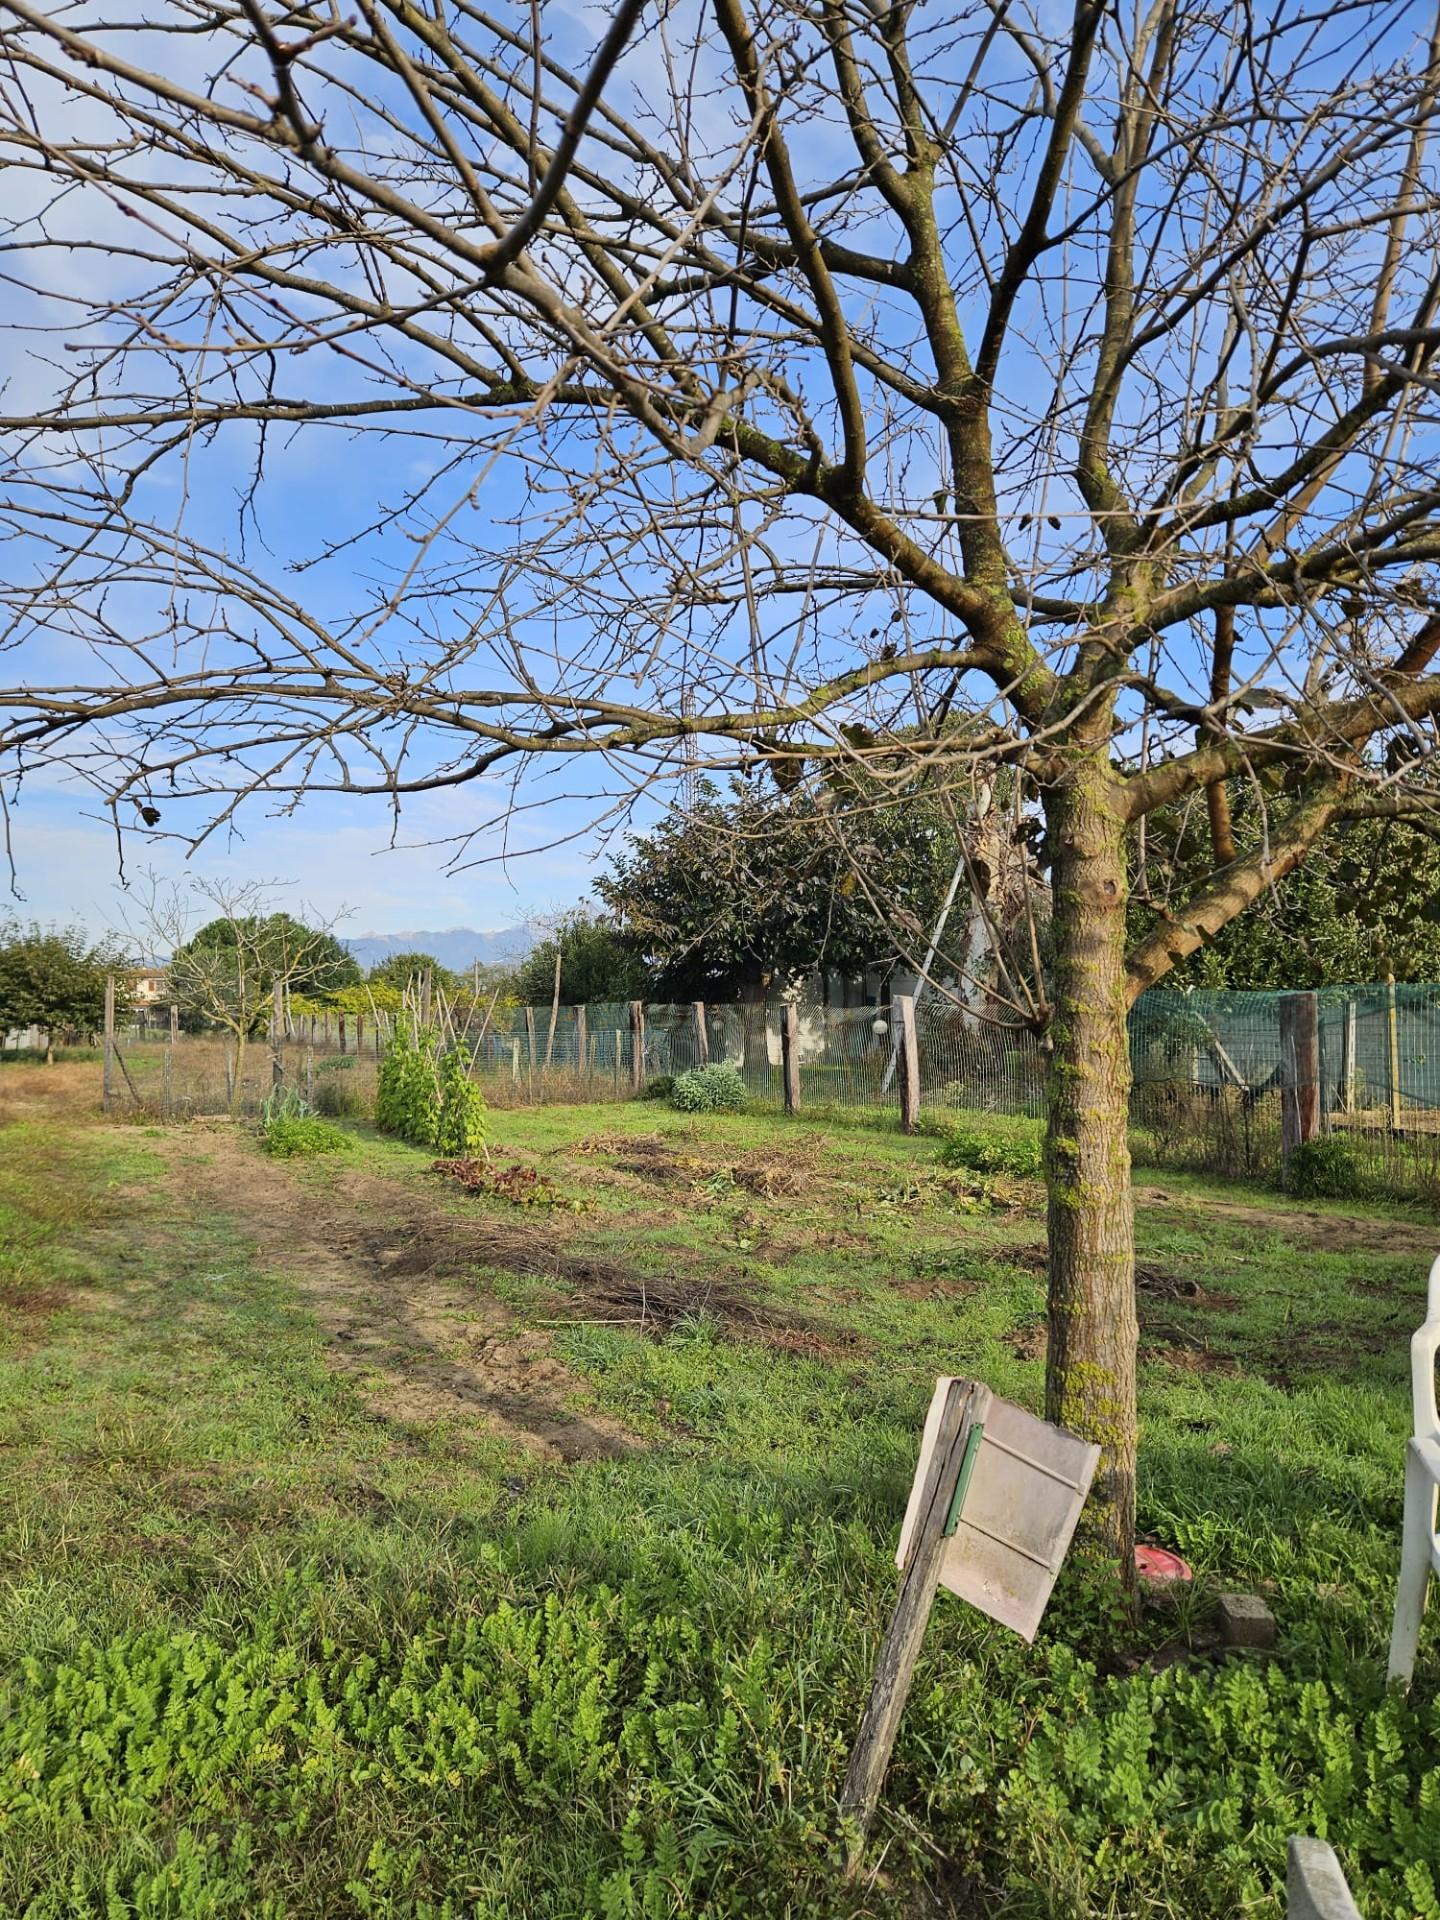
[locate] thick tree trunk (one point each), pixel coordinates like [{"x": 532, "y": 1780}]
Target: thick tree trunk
[{"x": 1090, "y": 1375}]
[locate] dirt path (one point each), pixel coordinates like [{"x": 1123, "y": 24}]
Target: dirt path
[
  {"x": 387, "y": 1276},
  {"x": 1327, "y": 1232}
]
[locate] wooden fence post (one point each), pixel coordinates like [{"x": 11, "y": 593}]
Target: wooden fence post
[
  {"x": 277, "y": 1037},
  {"x": 1394, "y": 1024},
  {"x": 582, "y": 1043},
  {"x": 341, "y": 1019},
  {"x": 907, "y": 1050},
  {"x": 790, "y": 1054},
  {"x": 637, "y": 1046},
  {"x": 1347, "y": 1059},
  {"x": 702, "y": 1038},
  {"x": 619, "y": 1056},
  {"x": 1299, "y": 1071},
  {"x": 169, "y": 1095},
  {"x": 359, "y": 1034},
  {"x": 107, "y": 1085},
  {"x": 515, "y": 1062},
  {"x": 530, "y": 1041}
]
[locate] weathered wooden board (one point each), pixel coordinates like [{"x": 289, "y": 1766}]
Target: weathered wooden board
[{"x": 1026, "y": 1490}]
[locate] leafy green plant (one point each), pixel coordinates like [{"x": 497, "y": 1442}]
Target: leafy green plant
[
  {"x": 407, "y": 1090},
  {"x": 424, "y": 1093},
  {"x": 292, "y": 1135},
  {"x": 712, "y": 1089},
  {"x": 460, "y": 1121},
  {"x": 1324, "y": 1169},
  {"x": 1000, "y": 1143}
]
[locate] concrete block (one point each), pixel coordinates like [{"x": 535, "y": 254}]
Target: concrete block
[{"x": 1246, "y": 1621}]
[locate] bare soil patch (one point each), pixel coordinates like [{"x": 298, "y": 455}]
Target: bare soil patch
[
  {"x": 1326, "y": 1232},
  {"x": 390, "y": 1277},
  {"x": 669, "y": 1160},
  {"x": 384, "y": 1274}
]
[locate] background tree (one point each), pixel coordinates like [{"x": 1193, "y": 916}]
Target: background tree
[
  {"x": 781, "y": 384},
  {"x": 732, "y": 894},
  {"x": 595, "y": 965},
  {"x": 398, "y": 970},
  {"x": 1365, "y": 904},
  {"x": 53, "y": 978}
]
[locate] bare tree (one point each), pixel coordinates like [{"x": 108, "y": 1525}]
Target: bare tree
[
  {"x": 765, "y": 386},
  {"x": 228, "y": 946}
]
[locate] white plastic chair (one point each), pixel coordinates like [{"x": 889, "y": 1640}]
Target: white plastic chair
[{"x": 1419, "y": 1548}]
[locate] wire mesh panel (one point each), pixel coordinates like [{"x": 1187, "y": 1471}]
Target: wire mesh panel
[{"x": 1223, "y": 1082}]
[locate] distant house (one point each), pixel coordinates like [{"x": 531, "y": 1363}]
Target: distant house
[{"x": 150, "y": 988}]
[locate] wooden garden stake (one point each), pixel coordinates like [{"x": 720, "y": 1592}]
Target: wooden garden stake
[
  {"x": 966, "y": 1405},
  {"x": 790, "y": 1055},
  {"x": 169, "y": 1093},
  {"x": 277, "y": 1036},
  {"x": 908, "y": 1053},
  {"x": 637, "y": 1046},
  {"x": 1394, "y": 1026},
  {"x": 107, "y": 1095},
  {"x": 702, "y": 1038}
]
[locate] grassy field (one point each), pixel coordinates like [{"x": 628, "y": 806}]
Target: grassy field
[{"x": 372, "y": 1547}]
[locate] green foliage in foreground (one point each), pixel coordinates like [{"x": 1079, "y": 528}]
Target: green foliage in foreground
[
  {"x": 712, "y": 1089},
  {"x": 283, "y": 1659}
]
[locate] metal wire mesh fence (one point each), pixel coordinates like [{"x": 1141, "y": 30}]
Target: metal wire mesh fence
[{"x": 1225, "y": 1083}]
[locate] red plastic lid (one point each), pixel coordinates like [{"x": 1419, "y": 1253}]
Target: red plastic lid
[{"x": 1160, "y": 1565}]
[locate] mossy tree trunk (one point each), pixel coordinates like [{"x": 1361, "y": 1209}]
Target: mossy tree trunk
[{"x": 1090, "y": 1373}]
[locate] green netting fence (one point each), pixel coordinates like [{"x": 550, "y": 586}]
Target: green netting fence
[{"x": 1222, "y": 1081}]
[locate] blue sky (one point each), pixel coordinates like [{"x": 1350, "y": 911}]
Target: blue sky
[{"x": 333, "y": 857}]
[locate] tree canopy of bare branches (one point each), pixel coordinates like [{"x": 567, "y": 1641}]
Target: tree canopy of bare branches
[{"x": 747, "y": 385}]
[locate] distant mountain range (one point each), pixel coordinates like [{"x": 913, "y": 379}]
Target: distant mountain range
[{"x": 457, "y": 947}]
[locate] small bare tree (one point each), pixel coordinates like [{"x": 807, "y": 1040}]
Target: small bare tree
[
  {"x": 767, "y": 387},
  {"x": 229, "y": 948}
]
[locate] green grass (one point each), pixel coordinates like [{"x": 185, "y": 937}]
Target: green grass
[{"x": 268, "y": 1653}]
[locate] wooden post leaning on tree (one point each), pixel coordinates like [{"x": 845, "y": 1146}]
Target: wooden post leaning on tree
[
  {"x": 907, "y": 1048},
  {"x": 702, "y": 1038},
  {"x": 1393, "y": 1024},
  {"x": 790, "y": 1054},
  {"x": 966, "y": 1405},
  {"x": 107, "y": 1084},
  {"x": 1299, "y": 1071},
  {"x": 637, "y": 1046}
]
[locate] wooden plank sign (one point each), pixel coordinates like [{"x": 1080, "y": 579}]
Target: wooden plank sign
[
  {"x": 1027, "y": 1485},
  {"x": 993, "y": 1508}
]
